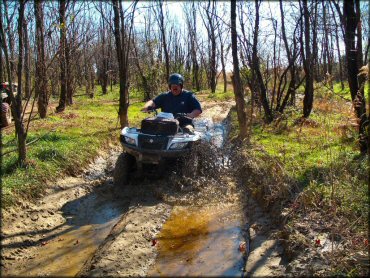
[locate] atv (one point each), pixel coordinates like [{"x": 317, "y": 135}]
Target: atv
[
  {"x": 6, "y": 116},
  {"x": 161, "y": 141}
]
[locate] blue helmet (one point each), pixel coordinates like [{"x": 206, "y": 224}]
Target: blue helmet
[{"x": 176, "y": 79}]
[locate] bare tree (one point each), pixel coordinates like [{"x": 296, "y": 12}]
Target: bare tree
[
  {"x": 145, "y": 45},
  {"x": 17, "y": 101},
  {"x": 292, "y": 53},
  {"x": 10, "y": 34},
  {"x": 40, "y": 75},
  {"x": 123, "y": 23},
  {"x": 351, "y": 21},
  {"x": 191, "y": 19},
  {"x": 103, "y": 65},
  {"x": 237, "y": 83},
  {"x": 211, "y": 25},
  {"x": 223, "y": 52},
  {"x": 27, "y": 60},
  {"x": 313, "y": 16},
  {"x": 256, "y": 67},
  {"x": 89, "y": 75},
  {"x": 337, "y": 43},
  {"x": 326, "y": 51},
  {"x": 62, "y": 56},
  {"x": 162, "y": 28},
  {"x": 307, "y": 61}
]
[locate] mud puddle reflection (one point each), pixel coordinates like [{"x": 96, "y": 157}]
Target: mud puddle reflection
[
  {"x": 200, "y": 242},
  {"x": 65, "y": 254}
]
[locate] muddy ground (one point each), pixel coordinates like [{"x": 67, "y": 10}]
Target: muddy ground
[{"x": 84, "y": 226}]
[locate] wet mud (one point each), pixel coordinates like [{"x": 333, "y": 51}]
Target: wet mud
[
  {"x": 56, "y": 235},
  {"x": 178, "y": 225},
  {"x": 201, "y": 242}
]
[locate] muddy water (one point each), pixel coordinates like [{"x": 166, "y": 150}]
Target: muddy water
[
  {"x": 65, "y": 254},
  {"x": 200, "y": 242}
]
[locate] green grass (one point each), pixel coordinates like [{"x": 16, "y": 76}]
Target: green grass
[
  {"x": 320, "y": 160},
  {"x": 324, "y": 153},
  {"x": 66, "y": 142},
  {"x": 220, "y": 95},
  {"x": 337, "y": 88}
]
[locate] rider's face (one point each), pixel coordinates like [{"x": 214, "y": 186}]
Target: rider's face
[{"x": 175, "y": 89}]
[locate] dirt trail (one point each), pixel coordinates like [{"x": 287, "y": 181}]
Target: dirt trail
[{"x": 83, "y": 226}]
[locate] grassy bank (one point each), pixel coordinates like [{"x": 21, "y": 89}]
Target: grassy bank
[
  {"x": 63, "y": 144},
  {"x": 310, "y": 175}
]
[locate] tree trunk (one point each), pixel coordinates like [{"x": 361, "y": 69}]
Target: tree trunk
[
  {"x": 274, "y": 24},
  {"x": 339, "y": 57},
  {"x": 211, "y": 12},
  {"x": 359, "y": 35},
  {"x": 307, "y": 64},
  {"x": 337, "y": 41},
  {"x": 62, "y": 56},
  {"x": 103, "y": 72},
  {"x": 213, "y": 65},
  {"x": 194, "y": 51},
  {"x": 223, "y": 69},
  {"x": 164, "y": 40},
  {"x": 122, "y": 47},
  {"x": 237, "y": 83},
  {"x": 291, "y": 59},
  {"x": 10, "y": 38},
  {"x": 21, "y": 134},
  {"x": 351, "y": 23},
  {"x": 315, "y": 64},
  {"x": 144, "y": 80},
  {"x": 17, "y": 101},
  {"x": 40, "y": 74},
  {"x": 27, "y": 62},
  {"x": 257, "y": 71},
  {"x": 69, "y": 73}
]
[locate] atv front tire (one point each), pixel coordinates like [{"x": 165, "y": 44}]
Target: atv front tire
[
  {"x": 6, "y": 117},
  {"x": 122, "y": 172}
]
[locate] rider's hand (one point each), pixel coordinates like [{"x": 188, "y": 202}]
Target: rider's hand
[{"x": 147, "y": 109}]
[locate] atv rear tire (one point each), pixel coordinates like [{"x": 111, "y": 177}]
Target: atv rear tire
[
  {"x": 6, "y": 117},
  {"x": 122, "y": 172}
]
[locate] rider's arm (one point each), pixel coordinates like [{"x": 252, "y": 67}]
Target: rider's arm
[
  {"x": 149, "y": 103},
  {"x": 195, "y": 106},
  {"x": 195, "y": 113}
]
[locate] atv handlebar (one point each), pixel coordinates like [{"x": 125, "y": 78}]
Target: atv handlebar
[
  {"x": 180, "y": 115},
  {"x": 183, "y": 119},
  {"x": 151, "y": 109}
]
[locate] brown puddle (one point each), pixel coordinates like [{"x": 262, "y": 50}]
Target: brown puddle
[
  {"x": 65, "y": 254},
  {"x": 200, "y": 242}
]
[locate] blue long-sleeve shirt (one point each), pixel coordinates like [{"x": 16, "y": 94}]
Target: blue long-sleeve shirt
[{"x": 185, "y": 102}]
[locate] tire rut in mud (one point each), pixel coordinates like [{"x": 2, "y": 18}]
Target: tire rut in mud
[
  {"x": 129, "y": 250},
  {"x": 42, "y": 238}
]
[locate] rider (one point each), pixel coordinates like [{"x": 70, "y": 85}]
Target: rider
[{"x": 177, "y": 100}]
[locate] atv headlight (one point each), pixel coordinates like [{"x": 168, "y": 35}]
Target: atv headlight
[
  {"x": 178, "y": 146},
  {"x": 130, "y": 141}
]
